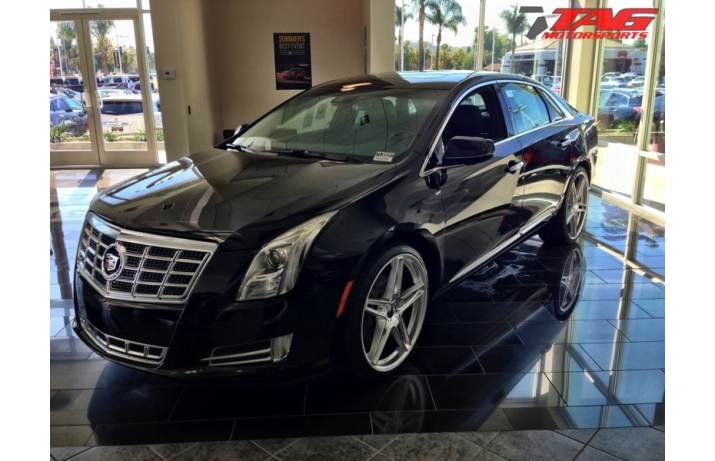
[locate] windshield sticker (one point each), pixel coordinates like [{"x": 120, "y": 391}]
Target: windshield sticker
[{"x": 383, "y": 156}]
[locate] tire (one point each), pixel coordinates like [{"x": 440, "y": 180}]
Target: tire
[
  {"x": 566, "y": 226},
  {"x": 381, "y": 325}
]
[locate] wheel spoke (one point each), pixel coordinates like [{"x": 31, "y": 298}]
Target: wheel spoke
[
  {"x": 377, "y": 313},
  {"x": 395, "y": 279},
  {"x": 379, "y": 338},
  {"x": 411, "y": 295},
  {"x": 566, "y": 283},
  {"x": 401, "y": 336},
  {"x": 380, "y": 303},
  {"x": 580, "y": 191}
]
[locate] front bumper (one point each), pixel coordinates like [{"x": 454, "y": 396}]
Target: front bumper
[{"x": 211, "y": 335}]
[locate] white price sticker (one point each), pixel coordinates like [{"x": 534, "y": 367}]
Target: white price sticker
[{"x": 383, "y": 156}]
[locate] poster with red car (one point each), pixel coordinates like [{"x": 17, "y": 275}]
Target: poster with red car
[{"x": 292, "y": 57}]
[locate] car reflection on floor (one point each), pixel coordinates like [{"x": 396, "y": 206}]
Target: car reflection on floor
[{"x": 532, "y": 290}]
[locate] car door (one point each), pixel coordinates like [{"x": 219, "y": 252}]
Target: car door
[
  {"x": 547, "y": 136},
  {"x": 481, "y": 202}
]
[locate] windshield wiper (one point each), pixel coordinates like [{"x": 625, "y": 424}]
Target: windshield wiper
[
  {"x": 302, "y": 153},
  {"x": 239, "y": 148}
]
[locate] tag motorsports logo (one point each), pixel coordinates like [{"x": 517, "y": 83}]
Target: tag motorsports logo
[{"x": 628, "y": 23}]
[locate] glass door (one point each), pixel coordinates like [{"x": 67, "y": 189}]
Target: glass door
[{"x": 104, "y": 109}]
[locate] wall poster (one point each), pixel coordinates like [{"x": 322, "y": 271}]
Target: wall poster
[{"x": 292, "y": 54}]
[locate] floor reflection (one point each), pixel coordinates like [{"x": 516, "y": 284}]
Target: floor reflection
[{"x": 543, "y": 338}]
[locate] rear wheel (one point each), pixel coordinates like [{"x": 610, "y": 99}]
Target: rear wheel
[
  {"x": 385, "y": 312},
  {"x": 566, "y": 226}
]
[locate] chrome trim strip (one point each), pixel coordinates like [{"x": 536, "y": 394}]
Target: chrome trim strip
[
  {"x": 113, "y": 350},
  {"x": 536, "y": 223},
  {"x": 499, "y": 248},
  {"x": 242, "y": 362},
  {"x": 237, "y": 356}
]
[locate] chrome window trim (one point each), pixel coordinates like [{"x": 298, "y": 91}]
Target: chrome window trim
[
  {"x": 147, "y": 240},
  {"x": 424, "y": 172}
]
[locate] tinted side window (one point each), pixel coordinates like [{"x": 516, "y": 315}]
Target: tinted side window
[
  {"x": 478, "y": 115},
  {"x": 528, "y": 110},
  {"x": 554, "y": 110}
]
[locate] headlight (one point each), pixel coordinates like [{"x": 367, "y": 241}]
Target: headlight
[{"x": 274, "y": 270}]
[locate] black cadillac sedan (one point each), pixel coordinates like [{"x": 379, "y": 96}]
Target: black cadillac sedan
[{"x": 317, "y": 236}]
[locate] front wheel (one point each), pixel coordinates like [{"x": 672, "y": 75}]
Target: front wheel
[
  {"x": 385, "y": 312},
  {"x": 566, "y": 226}
]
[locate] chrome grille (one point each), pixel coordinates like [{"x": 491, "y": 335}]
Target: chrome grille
[
  {"x": 156, "y": 268},
  {"x": 128, "y": 349}
]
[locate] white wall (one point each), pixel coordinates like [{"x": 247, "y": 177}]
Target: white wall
[
  {"x": 222, "y": 55},
  {"x": 379, "y": 19},
  {"x": 181, "y": 38},
  {"x": 241, "y": 38}
]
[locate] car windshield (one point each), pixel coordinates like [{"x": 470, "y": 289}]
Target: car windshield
[
  {"x": 74, "y": 105},
  {"x": 356, "y": 122}
]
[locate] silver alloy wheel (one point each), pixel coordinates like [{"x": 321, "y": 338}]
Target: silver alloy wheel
[
  {"x": 571, "y": 277},
  {"x": 577, "y": 205},
  {"x": 394, "y": 312}
]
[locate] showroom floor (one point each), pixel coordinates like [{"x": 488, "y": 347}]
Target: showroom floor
[{"x": 496, "y": 374}]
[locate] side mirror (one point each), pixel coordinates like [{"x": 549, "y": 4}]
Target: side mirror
[{"x": 462, "y": 150}]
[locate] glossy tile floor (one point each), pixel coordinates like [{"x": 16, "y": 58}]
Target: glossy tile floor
[{"x": 500, "y": 372}]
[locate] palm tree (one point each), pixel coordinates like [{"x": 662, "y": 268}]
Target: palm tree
[
  {"x": 419, "y": 5},
  {"x": 67, "y": 32},
  {"x": 516, "y": 24},
  {"x": 445, "y": 14},
  {"x": 400, "y": 16},
  {"x": 100, "y": 30}
]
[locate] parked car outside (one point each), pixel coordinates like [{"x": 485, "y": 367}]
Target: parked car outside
[
  {"x": 545, "y": 79},
  {"x": 107, "y": 93},
  {"x": 124, "y": 114},
  {"x": 67, "y": 113},
  {"x": 136, "y": 87},
  {"x": 117, "y": 79},
  {"x": 622, "y": 104},
  {"x": 605, "y": 86},
  {"x": 636, "y": 82},
  {"x": 57, "y": 81},
  {"x": 295, "y": 73},
  {"x": 318, "y": 235}
]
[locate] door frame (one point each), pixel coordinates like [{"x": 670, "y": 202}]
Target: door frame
[{"x": 99, "y": 155}]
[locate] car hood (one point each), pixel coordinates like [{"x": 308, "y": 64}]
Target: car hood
[{"x": 241, "y": 200}]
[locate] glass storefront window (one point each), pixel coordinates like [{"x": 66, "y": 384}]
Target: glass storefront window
[
  {"x": 654, "y": 187},
  {"x": 631, "y": 77}
]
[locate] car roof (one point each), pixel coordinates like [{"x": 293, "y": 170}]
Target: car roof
[{"x": 439, "y": 79}]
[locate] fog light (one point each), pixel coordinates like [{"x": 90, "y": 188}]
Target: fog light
[{"x": 280, "y": 347}]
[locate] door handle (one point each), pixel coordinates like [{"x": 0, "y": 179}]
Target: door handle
[
  {"x": 514, "y": 167},
  {"x": 564, "y": 143}
]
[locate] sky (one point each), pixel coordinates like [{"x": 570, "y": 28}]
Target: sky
[{"x": 470, "y": 9}]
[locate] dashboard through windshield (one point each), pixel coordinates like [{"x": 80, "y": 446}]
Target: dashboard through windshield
[{"x": 365, "y": 125}]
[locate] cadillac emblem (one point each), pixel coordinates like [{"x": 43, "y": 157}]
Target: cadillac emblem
[{"x": 113, "y": 261}]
